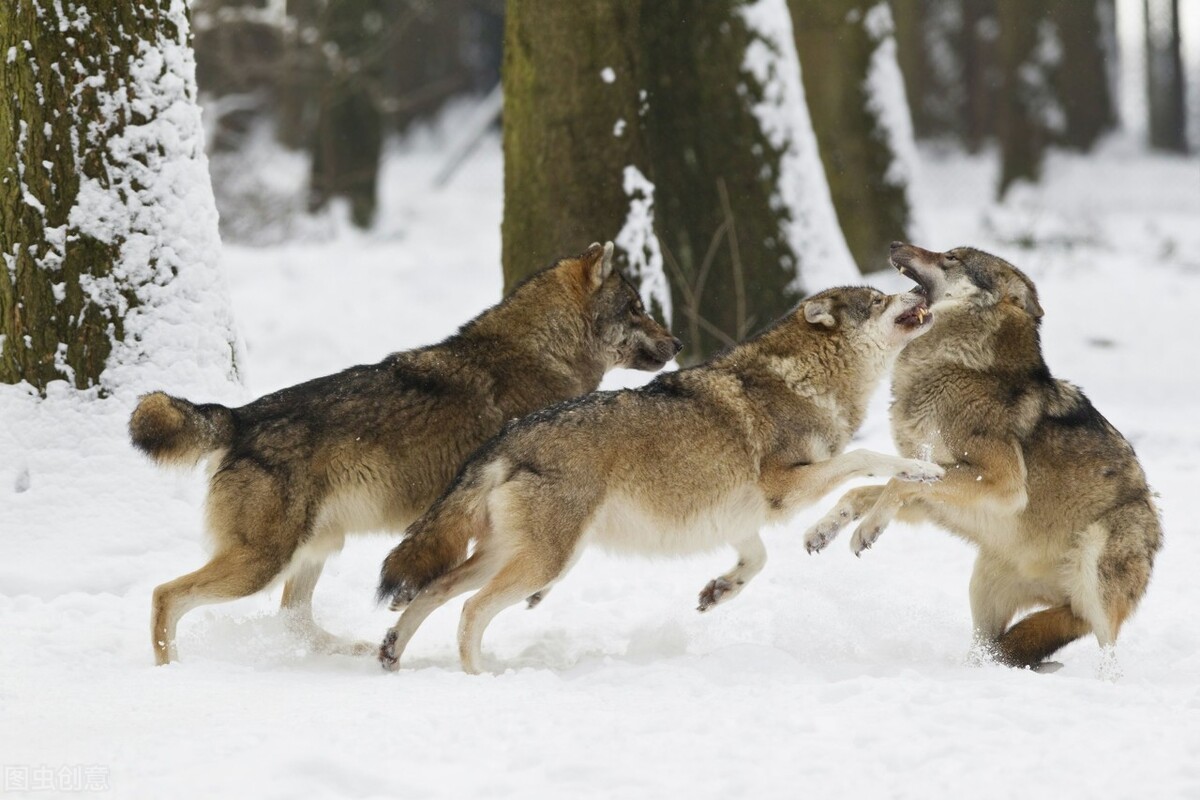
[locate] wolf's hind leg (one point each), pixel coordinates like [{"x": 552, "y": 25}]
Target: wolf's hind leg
[
  {"x": 232, "y": 573},
  {"x": 519, "y": 578},
  {"x": 296, "y": 605},
  {"x": 466, "y": 577},
  {"x": 752, "y": 557}
]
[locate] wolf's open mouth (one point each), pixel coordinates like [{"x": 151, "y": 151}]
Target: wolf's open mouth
[
  {"x": 915, "y": 317},
  {"x": 914, "y": 276}
]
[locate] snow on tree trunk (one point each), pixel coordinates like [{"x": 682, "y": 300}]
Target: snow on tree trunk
[
  {"x": 108, "y": 229},
  {"x": 811, "y": 223},
  {"x": 856, "y": 98}
]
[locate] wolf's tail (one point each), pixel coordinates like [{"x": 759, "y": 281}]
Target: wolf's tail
[
  {"x": 175, "y": 432},
  {"x": 437, "y": 542}
]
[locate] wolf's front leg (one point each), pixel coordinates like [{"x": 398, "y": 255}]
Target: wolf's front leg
[
  {"x": 850, "y": 508},
  {"x": 752, "y": 556},
  {"x": 790, "y": 488}
]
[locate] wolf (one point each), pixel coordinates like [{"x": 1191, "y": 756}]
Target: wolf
[
  {"x": 694, "y": 460},
  {"x": 371, "y": 447},
  {"x": 1050, "y": 492}
]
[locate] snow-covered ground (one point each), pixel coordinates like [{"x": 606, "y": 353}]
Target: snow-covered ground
[{"x": 830, "y": 675}]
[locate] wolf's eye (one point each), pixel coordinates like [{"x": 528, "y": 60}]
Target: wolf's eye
[
  {"x": 951, "y": 257},
  {"x": 877, "y": 302}
]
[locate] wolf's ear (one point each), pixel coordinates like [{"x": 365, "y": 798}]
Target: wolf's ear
[
  {"x": 1024, "y": 296},
  {"x": 597, "y": 263},
  {"x": 820, "y": 312}
]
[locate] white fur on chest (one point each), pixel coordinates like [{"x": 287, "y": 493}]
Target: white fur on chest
[{"x": 624, "y": 525}]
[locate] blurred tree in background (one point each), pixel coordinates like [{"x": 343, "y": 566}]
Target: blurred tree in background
[
  {"x": 1164, "y": 76},
  {"x": 335, "y": 78}
]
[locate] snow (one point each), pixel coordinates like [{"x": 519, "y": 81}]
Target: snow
[
  {"x": 639, "y": 241},
  {"x": 829, "y": 675}
]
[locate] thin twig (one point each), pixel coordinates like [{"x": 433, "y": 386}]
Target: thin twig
[{"x": 739, "y": 286}]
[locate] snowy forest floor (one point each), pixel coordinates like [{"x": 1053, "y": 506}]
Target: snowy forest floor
[{"x": 831, "y": 675}]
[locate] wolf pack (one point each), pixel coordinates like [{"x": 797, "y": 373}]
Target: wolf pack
[{"x": 500, "y": 461}]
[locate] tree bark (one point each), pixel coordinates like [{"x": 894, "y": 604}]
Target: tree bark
[
  {"x": 610, "y": 105},
  {"x": 836, "y": 44},
  {"x": 571, "y": 125},
  {"x": 1164, "y": 76},
  {"x": 95, "y": 111}
]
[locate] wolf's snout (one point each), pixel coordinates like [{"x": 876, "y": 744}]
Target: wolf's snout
[
  {"x": 901, "y": 255},
  {"x": 665, "y": 349}
]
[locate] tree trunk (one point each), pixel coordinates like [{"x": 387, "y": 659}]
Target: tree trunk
[
  {"x": 349, "y": 132},
  {"x": 1164, "y": 76},
  {"x": 1023, "y": 111},
  {"x": 717, "y": 174},
  {"x": 841, "y": 43},
  {"x": 105, "y": 195},
  {"x": 570, "y": 127},
  {"x": 982, "y": 77},
  {"x": 1082, "y": 80},
  {"x": 642, "y": 119}
]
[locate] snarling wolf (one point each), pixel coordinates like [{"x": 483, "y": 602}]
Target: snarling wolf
[
  {"x": 1049, "y": 491},
  {"x": 692, "y": 461},
  {"x": 371, "y": 447}
]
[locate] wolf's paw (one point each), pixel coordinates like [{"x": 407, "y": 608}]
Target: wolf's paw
[
  {"x": 825, "y": 531},
  {"x": 714, "y": 592},
  {"x": 387, "y": 653},
  {"x": 866, "y": 534},
  {"x": 917, "y": 471}
]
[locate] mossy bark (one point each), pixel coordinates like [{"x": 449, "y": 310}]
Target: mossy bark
[
  {"x": 570, "y": 128},
  {"x": 836, "y": 48},
  {"x": 59, "y": 66},
  {"x": 593, "y": 88}
]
